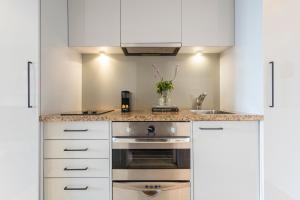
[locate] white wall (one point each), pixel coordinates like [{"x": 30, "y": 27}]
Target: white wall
[
  {"x": 241, "y": 68},
  {"x": 61, "y": 67},
  {"x": 103, "y": 82}
]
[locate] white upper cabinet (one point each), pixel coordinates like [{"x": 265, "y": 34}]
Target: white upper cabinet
[
  {"x": 150, "y": 21},
  {"x": 94, "y": 23},
  {"x": 207, "y": 22}
]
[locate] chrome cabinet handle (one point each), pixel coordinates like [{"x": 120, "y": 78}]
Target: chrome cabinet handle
[
  {"x": 211, "y": 129},
  {"x": 272, "y": 83},
  {"x": 85, "y": 149},
  {"x": 73, "y": 188},
  {"x": 144, "y": 188},
  {"x": 76, "y": 130},
  {"x": 28, "y": 85},
  {"x": 76, "y": 169}
]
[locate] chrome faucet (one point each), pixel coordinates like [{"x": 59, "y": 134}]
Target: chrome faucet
[{"x": 199, "y": 100}]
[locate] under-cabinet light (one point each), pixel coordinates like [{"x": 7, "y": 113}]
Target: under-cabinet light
[
  {"x": 103, "y": 58},
  {"x": 198, "y": 57}
]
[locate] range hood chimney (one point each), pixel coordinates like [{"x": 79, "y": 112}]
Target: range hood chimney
[{"x": 151, "y": 49}]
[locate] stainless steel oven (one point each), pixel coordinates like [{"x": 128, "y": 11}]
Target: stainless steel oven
[{"x": 151, "y": 159}]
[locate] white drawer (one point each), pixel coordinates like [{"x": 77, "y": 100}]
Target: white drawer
[
  {"x": 76, "y": 149},
  {"x": 76, "y": 130},
  {"x": 91, "y": 188},
  {"x": 225, "y": 127},
  {"x": 76, "y": 168}
]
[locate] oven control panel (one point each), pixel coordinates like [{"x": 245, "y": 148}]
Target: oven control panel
[{"x": 151, "y": 129}]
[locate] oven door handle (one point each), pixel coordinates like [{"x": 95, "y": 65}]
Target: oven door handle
[
  {"x": 141, "y": 188},
  {"x": 150, "y": 140},
  {"x": 151, "y": 193}
]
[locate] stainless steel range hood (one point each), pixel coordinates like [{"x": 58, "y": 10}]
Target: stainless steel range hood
[{"x": 151, "y": 49}]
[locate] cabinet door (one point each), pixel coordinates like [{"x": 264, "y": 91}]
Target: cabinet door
[
  {"x": 94, "y": 23},
  {"x": 150, "y": 21},
  {"x": 226, "y": 160},
  {"x": 19, "y": 138},
  {"x": 281, "y": 45},
  {"x": 208, "y": 22}
]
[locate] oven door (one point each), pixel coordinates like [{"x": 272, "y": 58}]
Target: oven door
[
  {"x": 164, "y": 159},
  {"x": 147, "y": 190},
  {"x": 151, "y": 159}
]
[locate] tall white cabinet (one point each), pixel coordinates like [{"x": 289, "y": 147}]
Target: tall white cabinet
[
  {"x": 282, "y": 138},
  {"x": 19, "y": 138},
  {"x": 226, "y": 160}
]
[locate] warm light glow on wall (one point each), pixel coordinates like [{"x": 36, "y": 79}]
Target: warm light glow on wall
[
  {"x": 199, "y": 54},
  {"x": 103, "y": 58},
  {"x": 198, "y": 57}
]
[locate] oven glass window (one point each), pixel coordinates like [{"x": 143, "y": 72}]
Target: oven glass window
[{"x": 151, "y": 158}]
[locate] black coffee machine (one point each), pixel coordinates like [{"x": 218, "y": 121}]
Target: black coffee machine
[{"x": 125, "y": 102}]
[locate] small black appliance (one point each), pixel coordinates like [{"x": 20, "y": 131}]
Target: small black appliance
[{"x": 125, "y": 101}]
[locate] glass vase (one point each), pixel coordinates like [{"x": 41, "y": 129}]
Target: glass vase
[{"x": 164, "y": 99}]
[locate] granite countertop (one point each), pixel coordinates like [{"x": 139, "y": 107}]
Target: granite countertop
[{"x": 184, "y": 115}]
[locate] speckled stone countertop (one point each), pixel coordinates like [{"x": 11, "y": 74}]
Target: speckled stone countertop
[{"x": 184, "y": 115}]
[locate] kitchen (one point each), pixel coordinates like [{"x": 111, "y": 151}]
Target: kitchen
[{"x": 139, "y": 99}]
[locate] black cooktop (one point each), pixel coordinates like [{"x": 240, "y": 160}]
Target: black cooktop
[{"x": 88, "y": 112}]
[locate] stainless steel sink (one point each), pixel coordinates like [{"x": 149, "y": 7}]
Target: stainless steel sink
[{"x": 211, "y": 112}]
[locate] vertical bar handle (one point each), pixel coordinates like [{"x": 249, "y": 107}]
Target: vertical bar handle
[
  {"x": 28, "y": 85},
  {"x": 272, "y": 84}
]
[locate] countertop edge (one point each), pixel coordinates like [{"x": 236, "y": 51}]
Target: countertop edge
[{"x": 148, "y": 116}]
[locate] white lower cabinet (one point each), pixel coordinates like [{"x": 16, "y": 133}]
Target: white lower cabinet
[
  {"x": 76, "y": 188},
  {"x": 76, "y": 161},
  {"x": 226, "y": 160}
]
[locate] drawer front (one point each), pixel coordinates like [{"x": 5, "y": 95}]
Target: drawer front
[
  {"x": 76, "y": 188},
  {"x": 225, "y": 127},
  {"x": 76, "y": 149},
  {"x": 76, "y": 168},
  {"x": 76, "y": 130}
]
